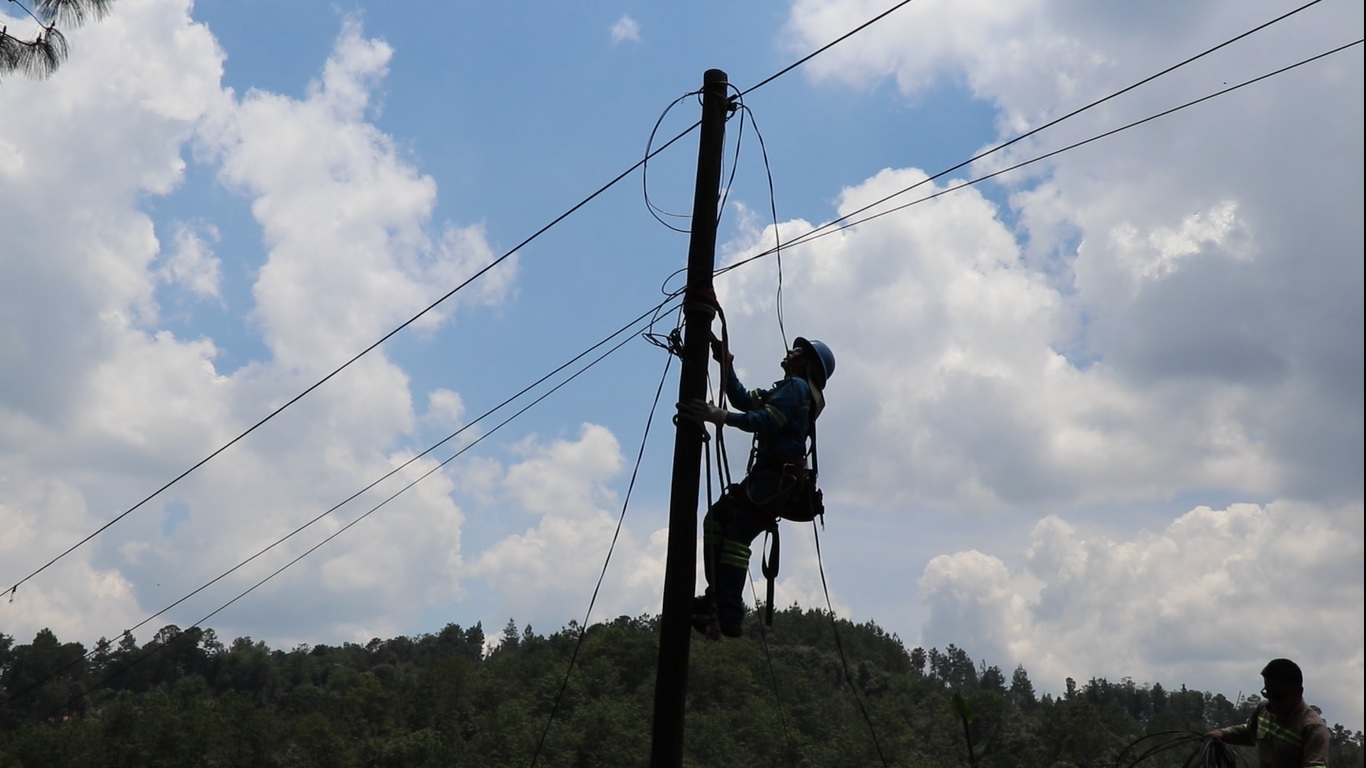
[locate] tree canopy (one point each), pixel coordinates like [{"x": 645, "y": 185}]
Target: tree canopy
[{"x": 811, "y": 690}]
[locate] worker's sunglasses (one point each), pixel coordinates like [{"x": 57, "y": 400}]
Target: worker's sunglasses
[{"x": 1276, "y": 695}]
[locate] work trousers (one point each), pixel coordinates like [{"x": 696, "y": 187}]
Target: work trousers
[{"x": 729, "y": 528}]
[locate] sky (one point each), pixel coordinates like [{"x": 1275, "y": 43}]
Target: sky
[{"x": 1100, "y": 415}]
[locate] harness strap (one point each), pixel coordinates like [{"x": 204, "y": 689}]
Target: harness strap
[
  {"x": 815, "y": 463},
  {"x": 770, "y": 570},
  {"x": 773, "y": 548}
]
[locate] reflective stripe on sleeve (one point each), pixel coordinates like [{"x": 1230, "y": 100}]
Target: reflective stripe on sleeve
[{"x": 1283, "y": 734}]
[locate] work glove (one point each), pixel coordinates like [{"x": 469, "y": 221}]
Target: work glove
[
  {"x": 702, "y": 411},
  {"x": 719, "y": 354}
]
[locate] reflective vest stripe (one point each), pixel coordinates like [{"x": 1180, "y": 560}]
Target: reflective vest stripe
[{"x": 1272, "y": 729}]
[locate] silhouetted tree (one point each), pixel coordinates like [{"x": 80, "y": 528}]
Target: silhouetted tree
[{"x": 41, "y": 54}]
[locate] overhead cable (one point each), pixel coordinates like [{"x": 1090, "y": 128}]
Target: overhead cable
[
  {"x": 625, "y": 502},
  {"x": 12, "y": 589},
  {"x": 830, "y": 226},
  {"x": 146, "y": 654}
]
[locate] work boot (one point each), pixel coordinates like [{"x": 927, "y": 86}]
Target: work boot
[
  {"x": 730, "y": 607},
  {"x": 707, "y": 625}
]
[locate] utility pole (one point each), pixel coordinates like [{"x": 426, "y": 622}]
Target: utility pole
[{"x": 680, "y": 565}]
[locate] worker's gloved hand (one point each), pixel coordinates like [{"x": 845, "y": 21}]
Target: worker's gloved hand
[
  {"x": 701, "y": 411},
  {"x": 718, "y": 352}
]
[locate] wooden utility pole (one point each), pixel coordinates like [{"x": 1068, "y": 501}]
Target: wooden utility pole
[{"x": 680, "y": 565}]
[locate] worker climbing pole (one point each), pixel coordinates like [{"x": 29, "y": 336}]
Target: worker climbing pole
[
  {"x": 779, "y": 482},
  {"x": 680, "y": 568}
]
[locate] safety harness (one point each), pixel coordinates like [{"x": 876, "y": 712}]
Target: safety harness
[{"x": 804, "y": 504}]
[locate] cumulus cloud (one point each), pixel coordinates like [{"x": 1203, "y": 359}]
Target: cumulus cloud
[
  {"x": 1146, "y": 354},
  {"x": 563, "y": 485},
  {"x": 955, "y": 366},
  {"x": 1171, "y": 313},
  {"x": 191, "y": 264},
  {"x": 112, "y": 404},
  {"x": 341, "y": 213},
  {"x": 1205, "y": 601},
  {"x": 625, "y": 30}
]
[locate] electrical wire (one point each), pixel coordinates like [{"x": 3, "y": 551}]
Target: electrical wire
[
  {"x": 73, "y": 13},
  {"x": 38, "y": 58},
  {"x": 834, "y": 622},
  {"x": 806, "y": 237},
  {"x": 830, "y": 227},
  {"x": 773, "y": 211},
  {"x": 773, "y": 676},
  {"x": 391, "y": 473},
  {"x": 825, "y": 47},
  {"x": 655, "y": 210},
  {"x": 735, "y": 161},
  {"x": 583, "y": 631},
  {"x": 14, "y": 588},
  {"x": 41, "y": 56},
  {"x": 820, "y": 564},
  {"x": 31, "y": 14},
  {"x": 777, "y": 250},
  {"x": 148, "y": 653},
  {"x": 655, "y": 311},
  {"x": 844, "y": 661}
]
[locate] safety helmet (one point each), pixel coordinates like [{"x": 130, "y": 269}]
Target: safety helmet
[{"x": 823, "y": 354}]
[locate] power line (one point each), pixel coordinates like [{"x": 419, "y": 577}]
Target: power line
[
  {"x": 819, "y": 560},
  {"x": 655, "y": 210},
  {"x": 148, "y": 653},
  {"x": 414, "y": 482},
  {"x": 14, "y": 588},
  {"x": 655, "y": 310},
  {"x": 652, "y": 311},
  {"x": 773, "y": 211},
  {"x": 826, "y": 47},
  {"x": 844, "y": 662},
  {"x": 777, "y": 249},
  {"x": 830, "y": 227},
  {"x": 1017, "y": 166},
  {"x": 583, "y": 630},
  {"x": 1079, "y": 110},
  {"x": 808, "y": 236}
]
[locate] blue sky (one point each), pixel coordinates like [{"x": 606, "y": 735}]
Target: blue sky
[{"x": 1101, "y": 416}]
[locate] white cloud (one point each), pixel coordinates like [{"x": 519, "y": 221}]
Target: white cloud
[
  {"x": 192, "y": 264},
  {"x": 952, "y": 366},
  {"x": 445, "y": 408},
  {"x": 1162, "y": 320},
  {"x": 1171, "y": 313},
  {"x": 1205, "y": 601},
  {"x": 626, "y": 30},
  {"x": 112, "y": 405},
  {"x": 545, "y": 569},
  {"x": 343, "y": 214}
]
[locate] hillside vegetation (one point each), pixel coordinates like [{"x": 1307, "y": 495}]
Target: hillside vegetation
[{"x": 808, "y": 691}]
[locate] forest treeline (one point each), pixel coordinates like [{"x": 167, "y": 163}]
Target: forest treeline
[{"x": 808, "y": 691}]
